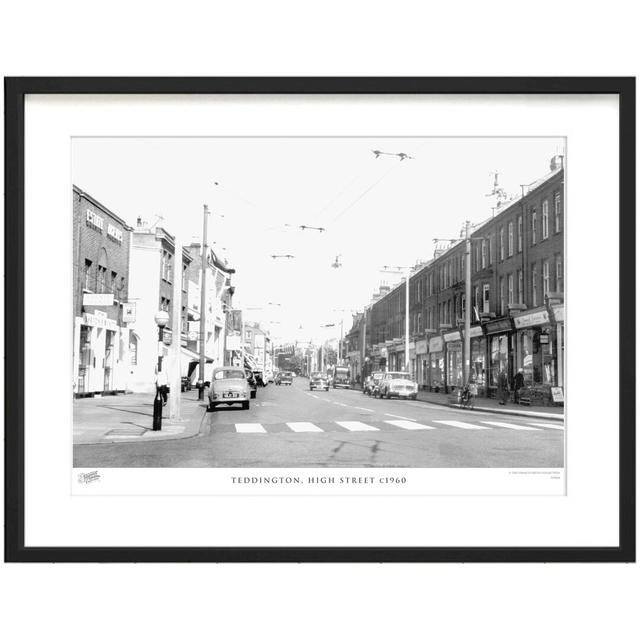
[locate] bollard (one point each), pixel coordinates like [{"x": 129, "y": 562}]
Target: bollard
[
  {"x": 157, "y": 411},
  {"x": 200, "y": 385}
]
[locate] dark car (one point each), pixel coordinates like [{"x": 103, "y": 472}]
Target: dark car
[
  {"x": 284, "y": 377},
  {"x": 251, "y": 379}
]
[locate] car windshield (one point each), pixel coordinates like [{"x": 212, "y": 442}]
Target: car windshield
[
  {"x": 226, "y": 374},
  {"x": 399, "y": 376}
]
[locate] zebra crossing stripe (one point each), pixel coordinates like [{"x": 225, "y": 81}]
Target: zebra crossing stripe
[
  {"x": 407, "y": 424},
  {"x": 547, "y": 425},
  {"x": 250, "y": 427},
  {"x": 508, "y": 425},
  {"x": 460, "y": 425},
  {"x": 302, "y": 426},
  {"x": 354, "y": 425}
]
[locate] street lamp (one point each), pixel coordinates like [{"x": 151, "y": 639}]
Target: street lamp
[{"x": 162, "y": 319}]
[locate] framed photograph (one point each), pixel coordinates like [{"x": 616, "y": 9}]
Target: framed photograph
[{"x": 320, "y": 319}]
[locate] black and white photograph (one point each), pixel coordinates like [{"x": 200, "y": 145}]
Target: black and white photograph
[{"x": 319, "y": 303}]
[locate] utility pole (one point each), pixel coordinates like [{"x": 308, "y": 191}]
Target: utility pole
[
  {"x": 203, "y": 302},
  {"x": 407, "y": 361},
  {"x": 466, "y": 372},
  {"x": 175, "y": 372}
]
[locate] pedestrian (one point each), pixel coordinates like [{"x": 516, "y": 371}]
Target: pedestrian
[
  {"x": 503, "y": 387},
  {"x": 162, "y": 385},
  {"x": 518, "y": 383}
]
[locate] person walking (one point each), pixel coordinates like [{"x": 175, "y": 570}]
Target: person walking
[
  {"x": 518, "y": 384},
  {"x": 162, "y": 385},
  {"x": 503, "y": 387}
]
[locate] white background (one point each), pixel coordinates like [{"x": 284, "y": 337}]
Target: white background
[{"x": 317, "y": 601}]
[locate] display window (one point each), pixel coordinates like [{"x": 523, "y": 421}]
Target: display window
[{"x": 499, "y": 354}]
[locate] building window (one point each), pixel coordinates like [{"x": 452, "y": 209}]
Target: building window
[
  {"x": 501, "y": 291},
  {"x": 534, "y": 285},
  {"x": 520, "y": 287},
  {"x": 484, "y": 253},
  {"x": 133, "y": 349},
  {"x": 477, "y": 258},
  {"x": 102, "y": 277},
  {"x": 87, "y": 274},
  {"x": 510, "y": 288},
  {"x": 485, "y": 298},
  {"x": 501, "y": 243},
  {"x": 545, "y": 279},
  {"x": 519, "y": 234},
  {"x": 559, "y": 274},
  {"x": 419, "y": 323},
  {"x": 114, "y": 282},
  {"x": 556, "y": 212},
  {"x": 534, "y": 222},
  {"x": 545, "y": 219},
  {"x": 510, "y": 239},
  {"x": 476, "y": 302}
]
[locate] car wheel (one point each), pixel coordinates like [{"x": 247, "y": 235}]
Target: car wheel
[
  {"x": 252, "y": 395},
  {"x": 211, "y": 407},
  {"x": 245, "y": 404}
]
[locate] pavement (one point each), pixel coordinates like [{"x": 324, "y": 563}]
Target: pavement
[
  {"x": 129, "y": 418},
  {"x": 289, "y": 427}
]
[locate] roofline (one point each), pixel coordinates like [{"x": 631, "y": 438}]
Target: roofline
[{"x": 97, "y": 203}]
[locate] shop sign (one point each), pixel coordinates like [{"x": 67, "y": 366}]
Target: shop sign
[
  {"x": 436, "y": 344},
  {"x": 544, "y": 338},
  {"x": 99, "y": 314},
  {"x": 97, "y": 299},
  {"x": 421, "y": 347},
  {"x": 114, "y": 233},
  {"x": 499, "y": 326},
  {"x": 94, "y": 220},
  {"x": 383, "y": 352},
  {"x": 166, "y": 337},
  {"x": 192, "y": 335},
  {"x": 532, "y": 319},
  {"x": 94, "y": 320},
  {"x": 475, "y": 332},
  {"x": 129, "y": 312},
  {"x": 452, "y": 336},
  {"x": 557, "y": 394},
  {"x": 558, "y": 313}
]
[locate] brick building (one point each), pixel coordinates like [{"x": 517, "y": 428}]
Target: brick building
[
  {"x": 517, "y": 291},
  {"x": 101, "y": 244}
]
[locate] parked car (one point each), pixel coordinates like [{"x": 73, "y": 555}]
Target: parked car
[
  {"x": 284, "y": 377},
  {"x": 371, "y": 382},
  {"x": 397, "y": 384},
  {"x": 318, "y": 381},
  {"x": 253, "y": 384},
  {"x": 229, "y": 385},
  {"x": 269, "y": 377}
]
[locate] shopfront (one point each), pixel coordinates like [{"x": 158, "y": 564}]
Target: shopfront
[
  {"x": 422, "y": 363},
  {"x": 499, "y": 350},
  {"x": 453, "y": 369},
  {"x": 558, "y": 316},
  {"x": 535, "y": 350},
  {"x": 436, "y": 364},
  {"x": 478, "y": 358}
]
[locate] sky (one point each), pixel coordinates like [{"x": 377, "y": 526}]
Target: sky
[{"x": 376, "y": 212}]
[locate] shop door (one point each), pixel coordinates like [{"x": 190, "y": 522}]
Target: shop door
[{"x": 108, "y": 359}]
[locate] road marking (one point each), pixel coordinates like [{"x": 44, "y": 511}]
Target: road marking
[
  {"x": 407, "y": 424},
  {"x": 461, "y": 425},
  {"x": 365, "y": 409},
  {"x": 303, "y": 426},
  {"x": 316, "y": 397},
  {"x": 342, "y": 404},
  {"x": 354, "y": 425},
  {"x": 508, "y": 425},
  {"x": 250, "y": 427},
  {"x": 547, "y": 425},
  {"x": 393, "y": 415}
]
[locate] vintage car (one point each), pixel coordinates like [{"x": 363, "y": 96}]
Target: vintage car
[
  {"x": 318, "y": 381},
  {"x": 371, "y": 382},
  {"x": 284, "y": 377},
  {"x": 397, "y": 384},
  {"x": 229, "y": 385}
]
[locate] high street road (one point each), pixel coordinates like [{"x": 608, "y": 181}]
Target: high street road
[{"x": 294, "y": 427}]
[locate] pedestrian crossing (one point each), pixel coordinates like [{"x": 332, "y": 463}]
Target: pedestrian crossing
[{"x": 398, "y": 425}]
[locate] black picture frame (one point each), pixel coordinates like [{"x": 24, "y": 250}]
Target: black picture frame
[{"x": 15, "y": 91}]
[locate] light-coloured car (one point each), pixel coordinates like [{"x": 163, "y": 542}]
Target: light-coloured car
[
  {"x": 318, "y": 381},
  {"x": 229, "y": 385},
  {"x": 397, "y": 384}
]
